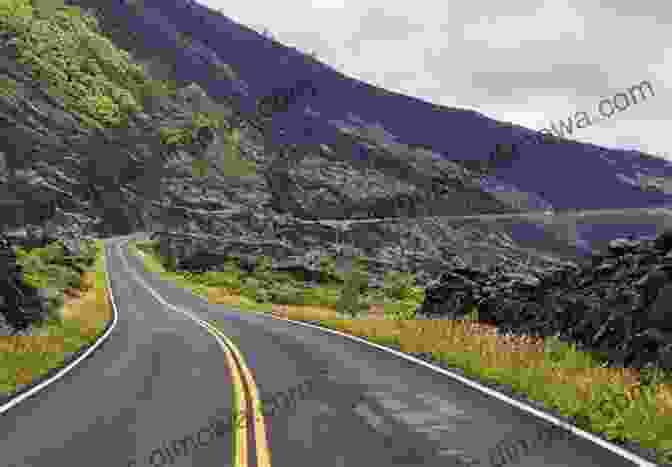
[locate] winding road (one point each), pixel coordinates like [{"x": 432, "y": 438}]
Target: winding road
[{"x": 172, "y": 366}]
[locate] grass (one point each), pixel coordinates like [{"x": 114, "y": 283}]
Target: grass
[
  {"x": 613, "y": 401},
  {"x": 622, "y": 404},
  {"x": 81, "y": 319}
]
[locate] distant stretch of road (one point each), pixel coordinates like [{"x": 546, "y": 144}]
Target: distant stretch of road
[{"x": 545, "y": 216}]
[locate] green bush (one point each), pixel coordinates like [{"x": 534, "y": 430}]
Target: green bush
[
  {"x": 229, "y": 280},
  {"x": 55, "y": 301},
  {"x": 263, "y": 295},
  {"x": 40, "y": 272},
  {"x": 400, "y": 310},
  {"x": 8, "y": 87},
  {"x": 321, "y": 296},
  {"x": 349, "y": 301},
  {"x": 263, "y": 270},
  {"x": 52, "y": 253},
  {"x": 286, "y": 294},
  {"x": 249, "y": 287},
  {"x": 168, "y": 261},
  {"x": 399, "y": 285},
  {"x": 328, "y": 271},
  {"x": 176, "y": 136}
]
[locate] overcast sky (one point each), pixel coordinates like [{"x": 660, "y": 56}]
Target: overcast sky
[{"x": 531, "y": 62}]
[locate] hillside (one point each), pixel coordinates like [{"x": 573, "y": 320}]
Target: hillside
[
  {"x": 238, "y": 68},
  {"x": 99, "y": 139}
]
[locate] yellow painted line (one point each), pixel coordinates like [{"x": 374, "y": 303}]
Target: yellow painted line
[
  {"x": 261, "y": 439},
  {"x": 240, "y": 451},
  {"x": 240, "y": 448}
]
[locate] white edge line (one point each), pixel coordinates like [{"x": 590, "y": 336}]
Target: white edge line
[
  {"x": 63, "y": 371},
  {"x": 204, "y": 324},
  {"x": 490, "y": 392},
  {"x": 473, "y": 384}
]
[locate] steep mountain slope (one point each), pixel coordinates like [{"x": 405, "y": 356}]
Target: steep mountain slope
[
  {"x": 229, "y": 61},
  {"x": 90, "y": 140}
]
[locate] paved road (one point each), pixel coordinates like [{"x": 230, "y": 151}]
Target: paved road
[
  {"x": 161, "y": 377},
  {"x": 539, "y": 215}
]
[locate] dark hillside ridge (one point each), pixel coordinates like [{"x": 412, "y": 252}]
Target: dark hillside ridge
[
  {"x": 71, "y": 168},
  {"x": 543, "y": 170}
]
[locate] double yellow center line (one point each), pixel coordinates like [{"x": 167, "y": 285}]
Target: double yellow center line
[
  {"x": 242, "y": 379},
  {"x": 239, "y": 372}
]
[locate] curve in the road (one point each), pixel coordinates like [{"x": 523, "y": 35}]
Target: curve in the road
[
  {"x": 237, "y": 367},
  {"x": 615, "y": 449}
]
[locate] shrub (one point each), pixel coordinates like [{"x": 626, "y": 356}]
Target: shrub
[
  {"x": 169, "y": 262},
  {"x": 400, "y": 310},
  {"x": 328, "y": 270},
  {"x": 286, "y": 294},
  {"x": 176, "y": 136},
  {"x": 39, "y": 268},
  {"x": 349, "y": 301},
  {"x": 263, "y": 295},
  {"x": 7, "y": 87},
  {"x": 399, "y": 285},
  {"x": 263, "y": 270},
  {"x": 321, "y": 296},
  {"x": 54, "y": 299},
  {"x": 228, "y": 280},
  {"x": 249, "y": 287}
]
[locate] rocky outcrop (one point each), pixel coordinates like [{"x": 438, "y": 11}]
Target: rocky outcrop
[{"x": 620, "y": 306}]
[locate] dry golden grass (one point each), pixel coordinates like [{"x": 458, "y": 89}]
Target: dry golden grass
[
  {"x": 91, "y": 310},
  {"x": 304, "y": 312},
  {"x": 36, "y": 344},
  {"x": 502, "y": 352},
  {"x": 223, "y": 296}
]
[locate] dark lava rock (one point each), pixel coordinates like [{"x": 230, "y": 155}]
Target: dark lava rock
[{"x": 621, "y": 305}]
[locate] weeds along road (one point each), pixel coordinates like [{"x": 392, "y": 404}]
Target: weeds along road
[{"x": 164, "y": 374}]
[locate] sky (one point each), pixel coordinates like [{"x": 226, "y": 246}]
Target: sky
[{"x": 529, "y": 62}]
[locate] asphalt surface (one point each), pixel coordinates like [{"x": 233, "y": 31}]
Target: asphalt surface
[{"x": 161, "y": 377}]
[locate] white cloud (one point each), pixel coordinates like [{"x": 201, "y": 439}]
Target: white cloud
[{"x": 527, "y": 61}]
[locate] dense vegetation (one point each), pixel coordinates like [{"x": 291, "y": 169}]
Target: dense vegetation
[
  {"x": 72, "y": 324},
  {"x": 347, "y": 293},
  {"x": 64, "y": 50},
  {"x": 51, "y": 269}
]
